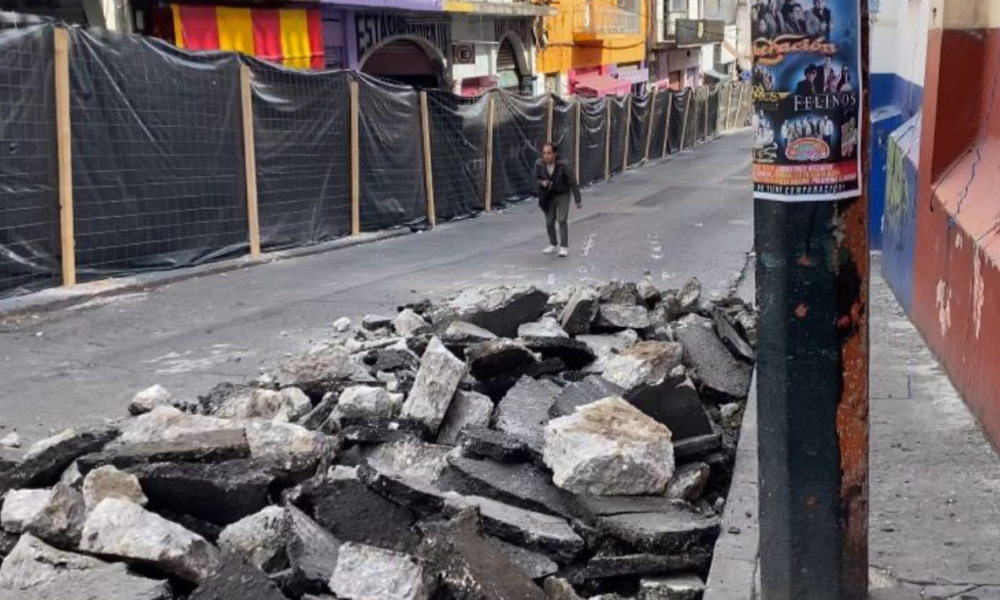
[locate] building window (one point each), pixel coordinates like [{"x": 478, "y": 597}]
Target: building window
[{"x": 676, "y": 9}]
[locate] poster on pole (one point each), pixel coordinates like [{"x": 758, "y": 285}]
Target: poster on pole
[{"x": 806, "y": 116}]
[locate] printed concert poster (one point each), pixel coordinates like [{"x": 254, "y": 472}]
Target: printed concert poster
[{"x": 807, "y": 99}]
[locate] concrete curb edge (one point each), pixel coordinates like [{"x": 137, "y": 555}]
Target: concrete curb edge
[{"x": 734, "y": 571}]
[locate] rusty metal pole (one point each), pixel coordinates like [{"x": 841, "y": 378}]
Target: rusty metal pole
[{"x": 812, "y": 291}]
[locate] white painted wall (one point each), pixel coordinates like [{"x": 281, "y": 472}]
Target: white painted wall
[{"x": 899, "y": 39}]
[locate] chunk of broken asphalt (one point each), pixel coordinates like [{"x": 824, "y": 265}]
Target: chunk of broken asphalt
[
  {"x": 496, "y": 357},
  {"x": 733, "y": 340},
  {"x": 501, "y": 310},
  {"x": 619, "y": 292},
  {"x": 471, "y": 566},
  {"x": 661, "y": 532},
  {"x": 221, "y": 493},
  {"x": 524, "y": 411},
  {"x": 518, "y": 485},
  {"x": 580, "y": 311},
  {"x": 46, "y": 466},
  {"x": 581, "y": 393},
  {"x": 573, "y": 353},
  {"x": 483, "y": 442},
  {"x": 534, "y": 565},
  {"x": 233, "y": 579},
  {"x": 207, "y": 447},
  {"x": 468, "y": 409},
  {"x": 675, "y": 404},
  {"x": 604, "y": 566},
  {"x": 683, "y": 586},
  {"x": 721, "y": 374},
  {"x": 352, "y": 512}
]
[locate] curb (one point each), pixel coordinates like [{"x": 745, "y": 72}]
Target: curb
[
  {"x": 59, "y": 298},
  {"x": 734, "y": 571}
]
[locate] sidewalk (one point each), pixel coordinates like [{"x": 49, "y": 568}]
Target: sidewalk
[{"x": 935, "y": 480}]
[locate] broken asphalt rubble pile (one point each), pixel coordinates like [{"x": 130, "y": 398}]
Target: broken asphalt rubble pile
[{"x": 505, "y": 444}]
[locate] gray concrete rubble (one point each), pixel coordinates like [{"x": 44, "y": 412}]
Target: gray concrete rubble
[
  {"x": 437, "y": 381},
  {"x": 645, "y": 363},
  {"x": 468, "y": 409},
  {"x": 126, "y": 531},
  {"x": 524, "y": 411},
  {"x": 501, "y": 445},
  {"x": 148, "y": 399},
  {"x": 369, "y": 573},
  {"x": 685, "y": 586},
  {"x": 609, "y": 448},
  {"x": 580, "y": 311}
]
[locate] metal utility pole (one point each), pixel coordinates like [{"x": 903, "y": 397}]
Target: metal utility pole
[{"x": 811, "y": 238}]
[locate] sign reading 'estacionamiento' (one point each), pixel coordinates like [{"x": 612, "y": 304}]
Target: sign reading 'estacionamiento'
[{"x": 807, "y": 99}]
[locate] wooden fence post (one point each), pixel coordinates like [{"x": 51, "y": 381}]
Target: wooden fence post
[
  {"x": 652, "y": 118},
  {"x": 428, "y": 162},
  {"x": 250, "y": 161},
  {"x": 548, "y": 123},
  {"x": 628, "y": 130},
  {"x": 670, "y": 111},
  {"x": 355, "y": 162},
  {"x": 488, "y": 199},
  {"x": 607, "y": 138},
  {"x": 576, "y": 150},
  {"x": 64, "y": 139}
]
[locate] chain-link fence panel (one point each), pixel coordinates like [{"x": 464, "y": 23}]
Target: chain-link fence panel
[
  {"x": 519, "y": 128},
  {"x": 390, "y": 155},
  {"x": 619, "y": 121},
  {"x": 158, "y": 167},
  {"x": 301, "y": 124},
  {"x": 638, "y": 129},
  {"x": 661, "y": 112},
  {"x": 458, "y": 151},
  {"x": 29, "y": 172},
  {"x": 593, "y": 139}
]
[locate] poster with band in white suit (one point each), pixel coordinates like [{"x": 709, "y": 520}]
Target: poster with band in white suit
[{"x": 806, "y": 118}]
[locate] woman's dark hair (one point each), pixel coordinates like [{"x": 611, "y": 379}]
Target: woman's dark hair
[{"x": 553, "y": 145}]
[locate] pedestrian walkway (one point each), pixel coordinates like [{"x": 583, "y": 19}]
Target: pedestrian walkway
[{"x": 935, "y": 480}]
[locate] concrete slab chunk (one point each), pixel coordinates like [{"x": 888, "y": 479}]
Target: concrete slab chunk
[
  {"x": 124, "y": 530},
  {"x": 368, "y": 573},
  {"x": 521, "y": 485},
  {"x": 524, "y": 411},
  {"x": 609, "y": 448},
  {"x": 20, "y": 507},
  {"x": 468, "y": 409},
  {"x": 437, "y": 380}
]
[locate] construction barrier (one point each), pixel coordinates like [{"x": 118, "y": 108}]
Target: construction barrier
[{"x": 125, "y": 154}]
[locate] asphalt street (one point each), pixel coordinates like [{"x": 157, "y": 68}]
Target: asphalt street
[{"x": 687, "y": 216}]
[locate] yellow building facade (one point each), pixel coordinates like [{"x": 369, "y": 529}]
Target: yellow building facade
[{"x": 594, "y": 46}]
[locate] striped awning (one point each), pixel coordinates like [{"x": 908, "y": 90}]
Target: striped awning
[{"x": 289, "y": 36}]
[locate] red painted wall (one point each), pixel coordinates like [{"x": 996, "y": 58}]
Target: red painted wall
[{"x": 956, "y": 287}]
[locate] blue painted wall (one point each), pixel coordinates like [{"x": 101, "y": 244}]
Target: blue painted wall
[
  {"x": 893, "y": 100},
  {"x": 899, "y": 232}
]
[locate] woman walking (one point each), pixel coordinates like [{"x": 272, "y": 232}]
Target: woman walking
[{"x": 555, "y": 181}]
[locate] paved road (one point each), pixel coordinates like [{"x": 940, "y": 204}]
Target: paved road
[{"x": 691, "y": 215}]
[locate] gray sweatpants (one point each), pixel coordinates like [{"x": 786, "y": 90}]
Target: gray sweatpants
[{"x": 558, "y": 210}]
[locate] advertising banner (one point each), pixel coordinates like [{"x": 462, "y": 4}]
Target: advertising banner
[{"x": 807, "y": 99}]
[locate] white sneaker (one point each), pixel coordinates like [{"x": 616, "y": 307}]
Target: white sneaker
[
  {"x": 549, "y": 250},
  {"x": 564, "y": 252}
]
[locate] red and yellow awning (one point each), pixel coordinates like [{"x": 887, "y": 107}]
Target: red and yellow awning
[{"x": 290, "y": 36}]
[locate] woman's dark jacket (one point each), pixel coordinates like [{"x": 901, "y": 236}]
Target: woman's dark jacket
[{"x": 563, "y": 182}]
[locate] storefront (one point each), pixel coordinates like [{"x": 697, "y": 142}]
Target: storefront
[
  {"x": 681, "y": 67},
  {"x": 493, "y": 52}
]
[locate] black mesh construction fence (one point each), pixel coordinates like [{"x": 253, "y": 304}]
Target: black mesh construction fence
[
  {"x": 458, "y": 151},
  {"x": 158, "y": 171},
  {"x": 638, "y": 131},
  {"x": 390, "y": 155},
  {"x": 593, "y": 139},
  {"x": 712, "y": 120},
  {"x": 29, "y": 193},
  {"x": 159, "y": 166},
  {"x": 519, "y": 128},
  {"x": 619, "y": 119},
  {"x": 564, "y": 128},
  {"x": 301, "y": 125},
  {"x": 661, "y": 109}
]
